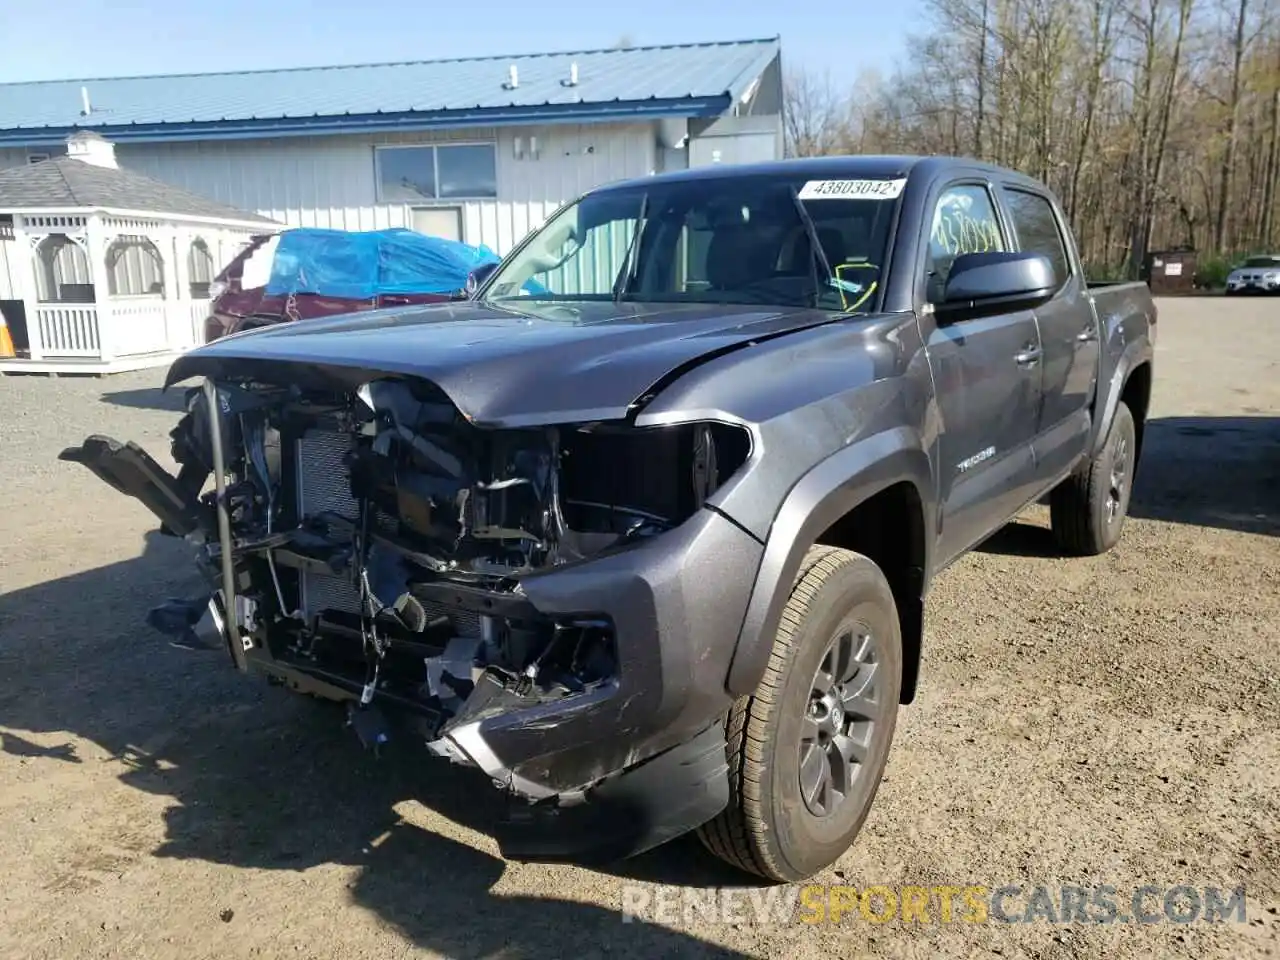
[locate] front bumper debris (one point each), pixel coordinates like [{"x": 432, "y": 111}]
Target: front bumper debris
[
  {"x": 674, "y": 627},
  {"x": 582, "y": 671},
  {"x": 656, "y": 801}
]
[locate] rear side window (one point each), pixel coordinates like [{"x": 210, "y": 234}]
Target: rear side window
[{"x": 1037, "y": 229}]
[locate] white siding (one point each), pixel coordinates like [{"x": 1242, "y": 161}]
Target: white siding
[
  {"x": 330, "y": 181},
  {"x": 17, "y": 156}
]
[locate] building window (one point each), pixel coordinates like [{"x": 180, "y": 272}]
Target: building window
[{"x": 464, "y": 171}]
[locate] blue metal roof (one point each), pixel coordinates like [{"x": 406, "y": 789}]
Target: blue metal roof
[{"x": 687, "y": 79}]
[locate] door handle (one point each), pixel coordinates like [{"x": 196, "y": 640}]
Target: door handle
[{"x": 1027, "y": 357}]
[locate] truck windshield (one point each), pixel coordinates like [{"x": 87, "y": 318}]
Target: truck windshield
[{"x": 732, "y": 239}]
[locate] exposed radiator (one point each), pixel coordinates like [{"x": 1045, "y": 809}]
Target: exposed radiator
[{"x": 324, "y": 487}]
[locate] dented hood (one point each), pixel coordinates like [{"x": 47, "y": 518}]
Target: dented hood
[{"x": 533, "y": 362}]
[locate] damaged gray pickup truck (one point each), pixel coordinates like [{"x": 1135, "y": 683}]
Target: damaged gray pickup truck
[{"x": 645, "y": 528}]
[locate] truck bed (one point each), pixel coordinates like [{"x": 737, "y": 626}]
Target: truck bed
[{"x": 1116, "y": 300}]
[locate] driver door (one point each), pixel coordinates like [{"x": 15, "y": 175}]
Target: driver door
[{"x": 987, "y": 381}]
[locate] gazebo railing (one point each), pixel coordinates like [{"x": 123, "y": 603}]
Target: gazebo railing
[
  {"x": 140, "y": 325},
  {"x": 199, "y": 313},
  {"x": 68, "y": 330}
]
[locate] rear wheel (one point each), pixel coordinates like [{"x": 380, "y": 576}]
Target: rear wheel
[
  {"x": 1088, "y": 509},
  {"x": 807, "y": 749}
]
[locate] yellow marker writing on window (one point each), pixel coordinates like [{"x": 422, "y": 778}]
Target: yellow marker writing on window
[{"x": 864, "y": 295}]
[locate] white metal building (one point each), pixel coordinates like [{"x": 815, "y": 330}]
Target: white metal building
[{"x": 479, "y": 150}]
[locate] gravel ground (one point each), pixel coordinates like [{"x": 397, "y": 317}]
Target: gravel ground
[{"x": 1106, "y": 721}]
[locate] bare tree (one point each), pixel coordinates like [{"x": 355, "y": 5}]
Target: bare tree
[
  {"x": 1101, "y": 41},
  {"x": 1271, "y": 176},
  {"x": 815, "y": 116},
  {"x": 1157, "y": 121}
]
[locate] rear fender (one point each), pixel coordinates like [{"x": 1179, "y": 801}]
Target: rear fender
[
  {"x": 820, "y": 498},
  {"x": 1134, "y": 355}
]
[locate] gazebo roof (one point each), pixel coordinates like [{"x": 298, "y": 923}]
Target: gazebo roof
[{"x": 65, "y": 183}]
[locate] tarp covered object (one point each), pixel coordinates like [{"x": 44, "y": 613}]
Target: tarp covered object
[{"x": 362, "y": 265}]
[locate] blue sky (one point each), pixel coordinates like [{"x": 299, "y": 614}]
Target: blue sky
[{"x": 63, "y": 39}]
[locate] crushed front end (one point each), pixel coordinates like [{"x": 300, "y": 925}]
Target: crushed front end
[{"x": 555, "y": 605}]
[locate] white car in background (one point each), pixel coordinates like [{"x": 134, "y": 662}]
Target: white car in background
[{"x": 1256, "y": 275}]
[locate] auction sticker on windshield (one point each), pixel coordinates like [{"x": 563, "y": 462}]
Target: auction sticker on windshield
[{"x": 852, "y": 189}]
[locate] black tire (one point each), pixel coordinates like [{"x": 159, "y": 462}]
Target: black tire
[
  {"x": 1086, "y": 510},
  {"x": 769, "y": 828}
]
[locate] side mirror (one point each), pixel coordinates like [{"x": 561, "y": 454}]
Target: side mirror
[
  {"x": 478, "y": 276},
  {"x": 984, "y": 283}
]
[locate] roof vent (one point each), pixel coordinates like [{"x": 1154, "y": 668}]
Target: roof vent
[
  {"x": 513, "y": 78},
  {"x": 93, "y": 149},
  {"x": 573, "y": 76}
]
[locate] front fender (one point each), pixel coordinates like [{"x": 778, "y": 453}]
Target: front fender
[{"x": 820, "y": 498}]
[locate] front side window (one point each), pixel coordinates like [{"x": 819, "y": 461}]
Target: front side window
[
  {"x": 463, "y": 171},
  {"x": 1038, "y": 230},
  {"x": 964, "y": 221},
  {"x": 745, "y": 240}
]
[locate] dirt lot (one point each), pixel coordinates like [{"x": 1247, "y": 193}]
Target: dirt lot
[{"x": 1110, "y": 721}]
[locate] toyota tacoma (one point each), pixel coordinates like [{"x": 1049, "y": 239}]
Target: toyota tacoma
[{"x": 644, "y": 529}]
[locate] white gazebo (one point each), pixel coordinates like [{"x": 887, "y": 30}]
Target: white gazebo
[{"x": 107, "y": 269}]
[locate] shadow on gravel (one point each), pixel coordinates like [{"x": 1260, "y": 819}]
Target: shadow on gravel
[
  {"x": 148, "y": 398},
  {"x": 16, "y": 746},
  {"x": 1020, "y": 540},
  {"x": 1219, "y": 472},
  {"x": 266, "y": 779}
]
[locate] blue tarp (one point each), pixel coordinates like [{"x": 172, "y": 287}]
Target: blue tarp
[{"x": 362, "y": 265}]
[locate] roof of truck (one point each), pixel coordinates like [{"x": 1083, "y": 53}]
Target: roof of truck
[{"x": 861, "y": 166}]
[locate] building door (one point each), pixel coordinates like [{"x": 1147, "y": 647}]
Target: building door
[{"x": 444, "y": 222}]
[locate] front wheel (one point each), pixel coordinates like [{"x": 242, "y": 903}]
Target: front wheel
[
  {"x": 808, "y": 748},
  {"x": 1087, "y": 510}
]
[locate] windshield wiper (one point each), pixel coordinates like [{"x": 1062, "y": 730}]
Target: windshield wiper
[
  {"x": 816, "y": 248},
  {"x": 628, "y": 272}
]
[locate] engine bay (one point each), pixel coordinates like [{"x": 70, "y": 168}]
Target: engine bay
[{"x": 372, "y": 541}]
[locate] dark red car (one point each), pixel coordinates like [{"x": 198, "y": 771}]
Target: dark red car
[{"x": 306, "y": 273}]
